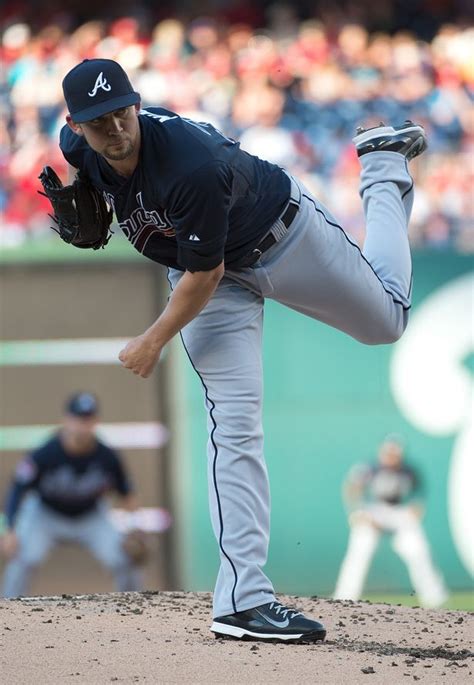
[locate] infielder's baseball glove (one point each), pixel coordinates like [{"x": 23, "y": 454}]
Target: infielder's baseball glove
[
  {"x": 79, "y": 210},
  {"x": 135, "y": 546}
]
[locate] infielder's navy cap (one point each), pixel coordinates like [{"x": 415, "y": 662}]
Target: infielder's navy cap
[
  {"x": 96, "y": 87},
  {"x": 82, "y": 404}
]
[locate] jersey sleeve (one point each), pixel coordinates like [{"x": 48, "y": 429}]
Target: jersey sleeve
[
  {"x": 417, "y": 485},
  {"x": 73, "y": 147},
  {"x": 26, "y": 476},
  {"x": 121, "y": 478},
  {"x": 355, "y": 485},
  {"x": 199, "y": 212}
]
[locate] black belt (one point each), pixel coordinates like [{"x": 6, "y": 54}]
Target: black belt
[{"x": 266, "y": 243}]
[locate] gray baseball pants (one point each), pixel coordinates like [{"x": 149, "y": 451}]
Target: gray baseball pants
[
  {"x": 319, "y": 271},
  {"x": 39, "y": 529}
]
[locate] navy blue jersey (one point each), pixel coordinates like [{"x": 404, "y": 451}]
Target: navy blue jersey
[
  {"x": 71, "y": 485},
  {"x": 194, "y": 199}
]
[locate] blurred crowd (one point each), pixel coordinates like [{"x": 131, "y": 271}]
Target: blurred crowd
[{"x": 291, "y": 91}]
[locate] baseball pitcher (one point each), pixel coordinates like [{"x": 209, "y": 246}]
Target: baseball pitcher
[{"x": 233, "y": 230}]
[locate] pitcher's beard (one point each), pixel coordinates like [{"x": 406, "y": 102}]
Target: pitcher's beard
[{"x": 117, "y": 154}]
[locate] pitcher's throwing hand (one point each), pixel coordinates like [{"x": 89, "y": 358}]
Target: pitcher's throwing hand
[{"x": 140, "y": 355}]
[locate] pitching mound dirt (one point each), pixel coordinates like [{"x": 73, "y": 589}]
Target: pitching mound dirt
[{"x": 164, "y": 637}]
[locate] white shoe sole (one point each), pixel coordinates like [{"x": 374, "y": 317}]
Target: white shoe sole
[
  {"x": 384, "y": 131},
  {"x": 234, "y": 631}
]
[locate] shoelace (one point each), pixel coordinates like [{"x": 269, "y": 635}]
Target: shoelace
[{"x": 280, "y": 609}]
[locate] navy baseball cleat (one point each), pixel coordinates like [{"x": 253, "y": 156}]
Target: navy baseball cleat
[
  {"x": 409, "y": 139},
  {"x": 272, "y": 622}
]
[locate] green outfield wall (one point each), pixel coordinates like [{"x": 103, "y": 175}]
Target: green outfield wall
[{"x": 328, "y": 402}]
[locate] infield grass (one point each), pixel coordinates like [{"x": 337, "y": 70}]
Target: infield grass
[{"x": 463, "y": 601}]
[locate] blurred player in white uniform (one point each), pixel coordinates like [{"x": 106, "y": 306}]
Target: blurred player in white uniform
[{"x": 384, "y": 498}]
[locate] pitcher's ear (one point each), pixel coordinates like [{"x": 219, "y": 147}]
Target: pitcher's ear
[{"x": 73, "y": 126}]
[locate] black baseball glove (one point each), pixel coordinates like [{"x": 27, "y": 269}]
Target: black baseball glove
[{"x": 82, "y": 215}]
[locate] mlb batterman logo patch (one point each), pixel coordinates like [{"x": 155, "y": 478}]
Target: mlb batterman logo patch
[{"x": 26, "y": 471}]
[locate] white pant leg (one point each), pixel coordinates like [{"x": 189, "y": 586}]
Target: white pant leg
[
  {"x": 363, "y": 539},
  {"x": 224, "y": 346},
  {"x": 37, "y": 535},
  {"x": 97, "y": 532},
  {"x": 318, "y": 270},
  {"x": 387, "y": 194},
  {"x": 410, "y": 543}
]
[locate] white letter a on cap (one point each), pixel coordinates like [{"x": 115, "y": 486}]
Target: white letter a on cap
[{"x": 100, "y": 82}]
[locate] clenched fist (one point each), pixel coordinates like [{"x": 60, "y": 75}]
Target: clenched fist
[{"x": 140, "y": 355}]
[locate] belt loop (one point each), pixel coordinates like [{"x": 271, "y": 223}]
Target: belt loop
[{"x": 295, "y": 192}]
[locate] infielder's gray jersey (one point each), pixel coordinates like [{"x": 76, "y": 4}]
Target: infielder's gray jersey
[
  {"x": 379, "y": 483},
  {"x": 314, "y": 268}
]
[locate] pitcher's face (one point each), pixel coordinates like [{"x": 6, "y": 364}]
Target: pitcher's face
[{"x": 115, "y": 136}]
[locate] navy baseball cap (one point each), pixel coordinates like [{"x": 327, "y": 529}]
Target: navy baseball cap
[
  {"x": 96, "y": 87},
  {"x": 82, "y": 404}
]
